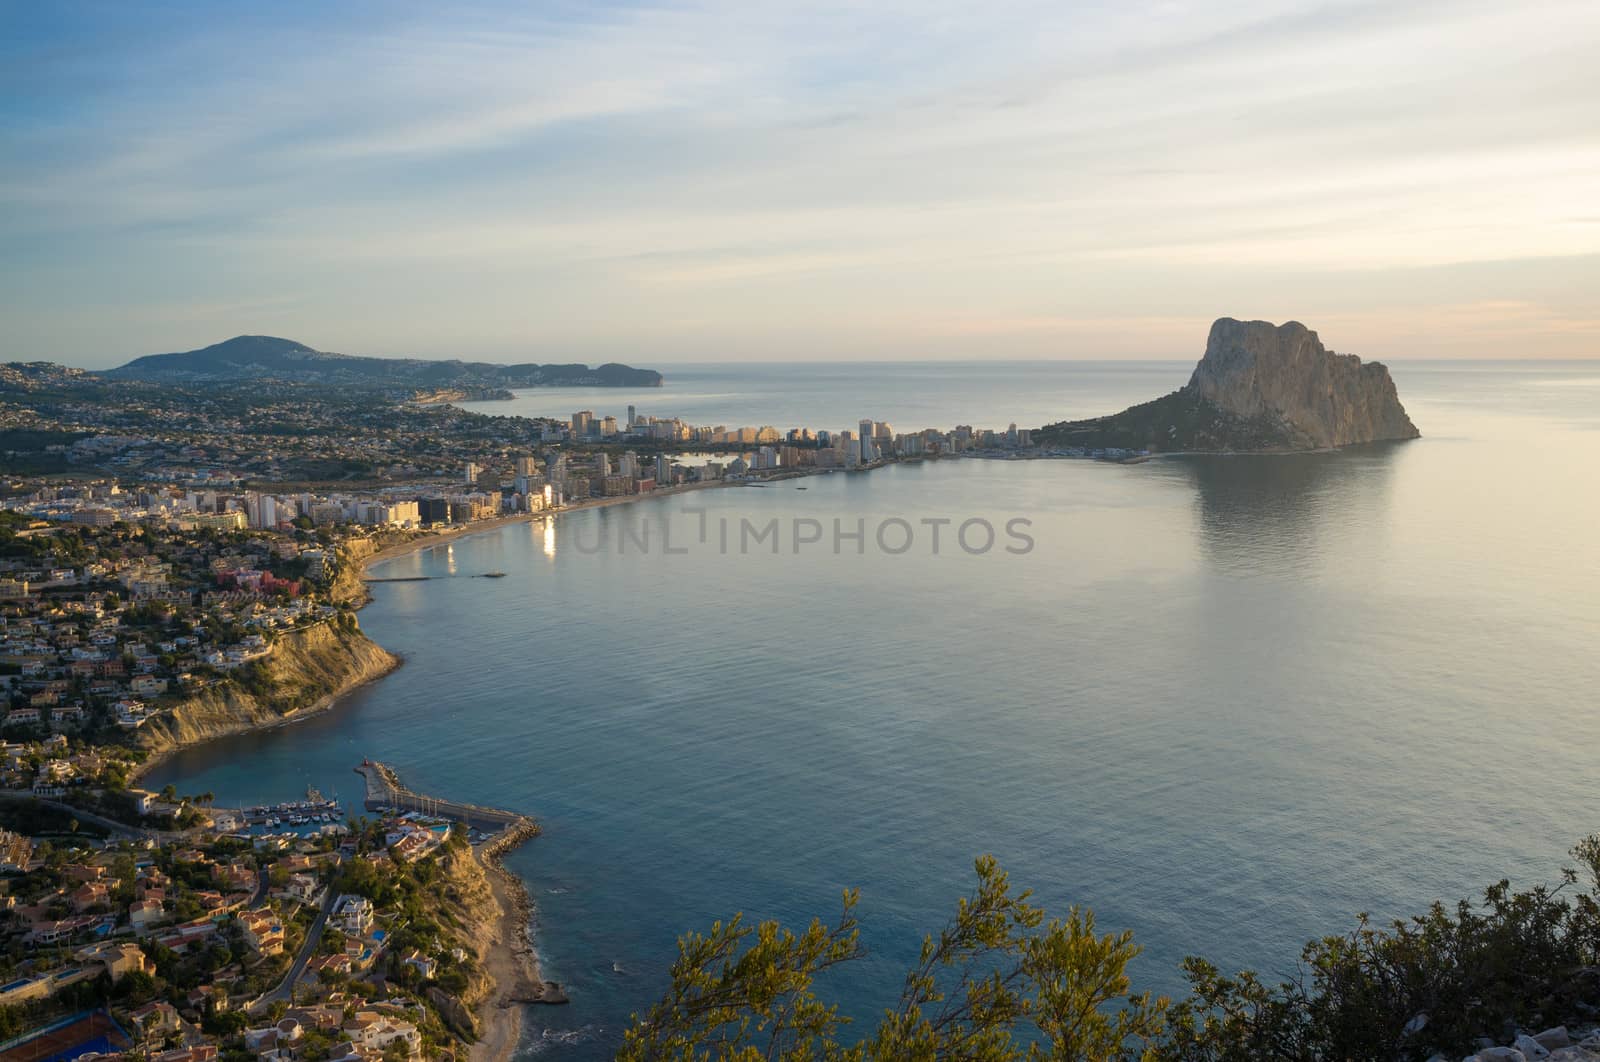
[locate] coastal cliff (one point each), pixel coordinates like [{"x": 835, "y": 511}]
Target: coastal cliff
[
  {"x": 345, "y": 587},
  {"x": 1260, "y": 388},
  {"x": 1255, "y": 369},
  {"x": 470, "y": 915},
  {"x": 305, "y": 673}
]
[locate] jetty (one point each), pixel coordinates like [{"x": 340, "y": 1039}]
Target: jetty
[
  {"x": 505, "y": 830},
  {"x": 385, "y": 790}
]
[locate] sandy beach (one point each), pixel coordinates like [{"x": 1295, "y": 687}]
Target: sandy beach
[
  {"x": 508, "y": 958},
  {"x": 427, "y": 539}
]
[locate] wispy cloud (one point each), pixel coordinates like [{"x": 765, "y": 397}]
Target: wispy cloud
[{"x": 706, "y": 177}]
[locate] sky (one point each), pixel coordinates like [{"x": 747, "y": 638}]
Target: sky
[{"x": 751, "y": 181}]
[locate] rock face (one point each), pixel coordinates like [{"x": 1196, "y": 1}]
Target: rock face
[
  {"x": 1254, "y": 369},
  {"x": 1261, "y": 388},
  {"x": 1552, "y": 1045},
  {"x": 306, "y": 672}
]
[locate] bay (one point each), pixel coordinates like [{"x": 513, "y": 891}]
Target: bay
[{"x": 1226, "y": 702}]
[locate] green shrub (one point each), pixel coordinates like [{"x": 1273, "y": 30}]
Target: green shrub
[{"x": 1001, "y": 984}]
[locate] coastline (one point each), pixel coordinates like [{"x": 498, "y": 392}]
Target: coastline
[
  {"x": 500, "y": 930},
  {"x": 326, "y": 703},
  {"x": 509, "y": 961},
  {"x": 428, "y": 539}
]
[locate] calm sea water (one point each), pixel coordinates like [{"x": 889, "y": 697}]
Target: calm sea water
[
  {"x": 1228, "y": 703},
  {"x": 836, "y": 395}
]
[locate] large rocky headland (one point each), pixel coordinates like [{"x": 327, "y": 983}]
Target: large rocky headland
[{"x": 1259, "y": 387}]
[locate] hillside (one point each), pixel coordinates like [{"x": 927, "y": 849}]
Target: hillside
[
  {"x": 307, "y": 671},
  {"x": 268, "y": 357},
  {"x": 1180, "y": 422}
]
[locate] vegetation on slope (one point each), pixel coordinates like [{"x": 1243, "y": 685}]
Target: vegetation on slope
[
  {"x": 440, "y": 905},
  {"x": 1178, "y": 422}
]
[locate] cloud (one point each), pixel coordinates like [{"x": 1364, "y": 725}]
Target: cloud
[{"x": 757, "y": 165}]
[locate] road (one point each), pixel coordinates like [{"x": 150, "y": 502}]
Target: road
[
  {"x": 263, "y": 884},
  {"x": 115, "y": 828},
  {"x": 285, "y": 988}
]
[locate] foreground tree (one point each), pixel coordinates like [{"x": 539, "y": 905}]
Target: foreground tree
[
  {"x": 1430, "y": 984},
  {"x": 1000, "y": 984},
  {"x": 997, "y": 984}
]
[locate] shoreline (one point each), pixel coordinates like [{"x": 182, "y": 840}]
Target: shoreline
[
  {"x": 428, "y": 539},
  {"x": 502, "y": 936},
  {"x": 321, "y": 706},
  {"x": 509, "y": 960},
  {"x": 510, "y": 957}
]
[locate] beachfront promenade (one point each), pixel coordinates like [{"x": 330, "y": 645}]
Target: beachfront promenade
[{"x": 385, "y": 790}]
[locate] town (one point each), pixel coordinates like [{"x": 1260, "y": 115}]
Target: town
[
  {"x": 356, "y": 942},
  {"x": 158, "y": 922},
  {"x": 55, "y": 420}
]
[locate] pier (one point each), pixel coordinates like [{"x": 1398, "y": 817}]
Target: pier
[{"x": 385, "y": 790}]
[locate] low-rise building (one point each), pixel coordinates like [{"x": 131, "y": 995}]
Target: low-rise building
[
  {"x": 262, "y": 931},
  {"x": 352, "y": 914},
  {"x": 372, "y": 1031},
  {"x": 143, "y": 914}
]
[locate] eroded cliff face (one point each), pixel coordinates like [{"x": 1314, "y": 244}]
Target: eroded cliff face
[
  {"x": 305, "y": 673},
  {"x": 347, "y": 588},
  {"x": 1255, "y": 369},
  {"x": 470, "y": 919}
]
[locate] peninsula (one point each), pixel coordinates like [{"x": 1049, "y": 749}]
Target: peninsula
[
  {"x": 268, "y": 357},
  {"x": 1260, "y": 387}
]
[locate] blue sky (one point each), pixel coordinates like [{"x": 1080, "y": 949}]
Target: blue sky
[{"x": 728, "y": 181}]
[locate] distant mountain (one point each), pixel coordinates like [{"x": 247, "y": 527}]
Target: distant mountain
[
  {"x": 1260, "y": 387},
  {"x": 268, "y": 357}
]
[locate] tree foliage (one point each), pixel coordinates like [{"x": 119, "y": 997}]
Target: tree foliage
[{"x": 1000, "y": 983}]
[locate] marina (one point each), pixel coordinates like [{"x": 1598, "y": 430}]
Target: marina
[
  {"x": 294, "y": 813},
  {"x": 385, "y": 792}
]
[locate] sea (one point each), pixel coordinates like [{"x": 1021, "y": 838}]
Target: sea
[{"x": 1225, "y": 702}]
